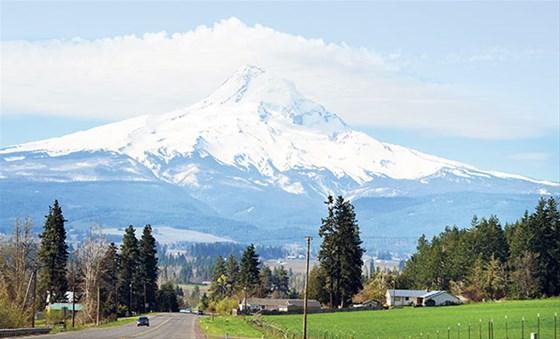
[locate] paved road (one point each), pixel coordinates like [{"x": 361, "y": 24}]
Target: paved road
[{"x": 162, "y": 326}]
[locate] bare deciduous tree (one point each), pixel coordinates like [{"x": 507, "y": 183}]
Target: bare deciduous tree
[
  {"x": 89, "y": 257},
  {"x": 18, "y": 262}
]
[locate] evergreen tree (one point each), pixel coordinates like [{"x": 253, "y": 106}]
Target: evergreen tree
[
  {"x": 203, "y": 305},
  {"x": 551, "y": 251},
  {"x": 489, "y": 239},
  {"x": 280, "y": 282},
  {"x": 232, "y": 273},
  {"x": 218, "y": 287},
  {"x": 249, "y": 271},
  {"x": 341, "y": 251},
  {"x": 265, "y": 282},
  {"x": 167, "y": 298},
  {"x": 317, "y": 285},
  {"x": 131, "y": 287},
  {"x": 520, "y": 238},
  {"x": 350, "y": 251},
  {"x": 148, "y": 268},
  {"x": 328, "y": 253},
  {"x": 53, "y": 257},
  {"x": 110, "y": 282}
]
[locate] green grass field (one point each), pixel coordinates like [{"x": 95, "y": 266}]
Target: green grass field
[
  {"x": 414, "y": 322},
  {"x": 233, "y": 326}
]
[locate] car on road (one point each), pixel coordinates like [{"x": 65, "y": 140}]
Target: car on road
[
  {"x": 200, "y": 312},
  {"x": 185, "y": 310},
  {"x": 143, "y": 321}
]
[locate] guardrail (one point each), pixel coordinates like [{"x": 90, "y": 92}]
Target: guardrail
[{"x": 15, "y": 332}]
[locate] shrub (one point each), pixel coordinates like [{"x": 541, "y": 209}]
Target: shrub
[{"x": 226, "y": 305}]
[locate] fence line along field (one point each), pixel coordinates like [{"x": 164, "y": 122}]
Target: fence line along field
[{"x": 434, "y": 322}]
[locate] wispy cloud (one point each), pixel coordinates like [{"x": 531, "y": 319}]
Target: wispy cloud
[{"x": 124, "y": 76}]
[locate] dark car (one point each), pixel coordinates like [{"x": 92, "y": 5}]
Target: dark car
[
  {"x": 143, "y": 321},
  {"x": 200, "y": 312}
]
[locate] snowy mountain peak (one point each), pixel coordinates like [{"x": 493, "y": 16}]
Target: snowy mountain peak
[
  {"x": 251, "y": 83},
  {"x": 256, "y": 129},
  {"x": 272, "y": 98}
]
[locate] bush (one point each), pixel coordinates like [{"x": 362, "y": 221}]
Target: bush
[
  {"x": 54, "y": 317},
  {"x": 11, "y": 316},
  {"x": 226, "y": 306}
]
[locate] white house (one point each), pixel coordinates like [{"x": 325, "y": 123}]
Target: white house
[{"x": 420, "y": 298}]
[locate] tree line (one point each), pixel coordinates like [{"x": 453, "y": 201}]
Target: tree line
[
  {"x": 106, "y": 280},
  {"x": 234, "y": 279},
  {"x": 486, "y": 261}
]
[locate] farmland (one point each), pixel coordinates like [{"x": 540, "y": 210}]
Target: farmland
[{"x": 424, "y": 322}]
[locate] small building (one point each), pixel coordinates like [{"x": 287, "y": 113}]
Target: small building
[
  {"x": 420, "y": 298},
  {"x": 278, "y": 305}
]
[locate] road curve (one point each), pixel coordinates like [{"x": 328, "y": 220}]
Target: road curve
[{"x": 162, "y": 326}]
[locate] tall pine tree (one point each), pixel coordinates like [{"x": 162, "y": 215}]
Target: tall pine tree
[
  {"x": 218, "y": 287},
  {"x": 249, "y": 279},
  {"x": 53, "y": 256},
  {"x": 110, "y": 282},
  {"x": 148, "y": 268},
  {"x": 341, "y": 251},
  {"x": 328, "y": 254},
  {"x": 232, "y": 273},
  {"x": 131, "y": 287},
  {"x": 350, "y": 251}
]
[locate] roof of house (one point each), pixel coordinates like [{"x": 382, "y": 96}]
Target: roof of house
[
  {"x": 282, "y": 302},
  {"x": 416, "y": 293},
  {"x": 299, "y": 303},
  {"x": 433, "y": 294}
]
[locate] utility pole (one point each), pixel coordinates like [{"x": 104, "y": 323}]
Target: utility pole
[
  {"x": 98, "y": 305},
  {"x": 308, "y": 244},
  {"x": 34, "y": 297},
  {"x": 73, "y": 298}
]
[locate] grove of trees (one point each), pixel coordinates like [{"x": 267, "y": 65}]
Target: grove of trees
[
  {"x": 106, "y": 280},
  {"x": 486, "y": 261}
]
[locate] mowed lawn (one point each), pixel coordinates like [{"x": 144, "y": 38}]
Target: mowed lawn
[{"x": 426, "y": 321}]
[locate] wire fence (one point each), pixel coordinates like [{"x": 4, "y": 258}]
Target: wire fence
[{"x": 544, "y": 327}]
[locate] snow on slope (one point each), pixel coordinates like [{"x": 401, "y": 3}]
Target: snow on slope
[{"x": 254, "y": 120}]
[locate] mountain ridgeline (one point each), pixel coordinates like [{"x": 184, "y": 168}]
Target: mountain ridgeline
[{"x": 252, "y": 162}]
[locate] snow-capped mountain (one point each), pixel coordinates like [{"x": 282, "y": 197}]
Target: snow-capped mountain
[{"x": 256, "y": 151}]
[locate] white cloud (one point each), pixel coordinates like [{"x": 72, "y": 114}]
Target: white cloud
[{"x": 120, "y": 77}]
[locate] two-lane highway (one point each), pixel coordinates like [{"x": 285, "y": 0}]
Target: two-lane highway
[{"x": 162, "y": 326}]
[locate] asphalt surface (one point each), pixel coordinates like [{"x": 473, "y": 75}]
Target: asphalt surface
[{"x": 162, "y": 326}]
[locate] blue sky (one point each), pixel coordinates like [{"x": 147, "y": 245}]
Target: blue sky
[{"x": 491, "y": 68}]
